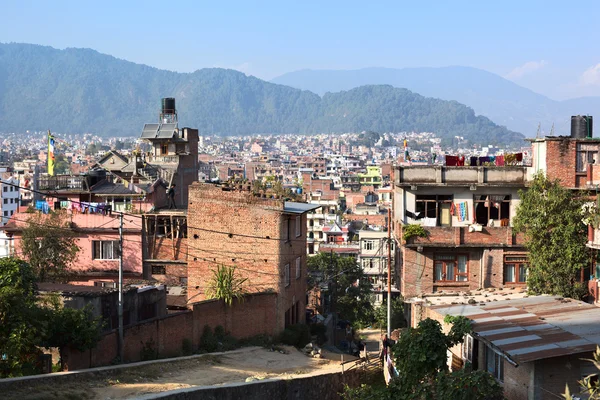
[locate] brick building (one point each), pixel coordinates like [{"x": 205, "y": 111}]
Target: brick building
[
  {"x": 265, "y": 239},
  {"x": 467, "y": 214}
]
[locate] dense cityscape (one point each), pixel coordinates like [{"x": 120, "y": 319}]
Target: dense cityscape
[{"x": 414, "y": 233}]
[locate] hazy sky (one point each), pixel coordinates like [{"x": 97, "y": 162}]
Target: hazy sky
[{"x": 551, "y": 47}]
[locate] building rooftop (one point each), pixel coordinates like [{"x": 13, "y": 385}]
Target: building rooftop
[
  {"x": 532, "y": 328},
  {"x": 293, "y": 207}
]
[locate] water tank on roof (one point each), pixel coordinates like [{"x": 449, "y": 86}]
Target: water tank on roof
[
  {"x": 371, "y": 198},
  {"x": 581, "y": 126},
  {"x": 168, "y": 105}
]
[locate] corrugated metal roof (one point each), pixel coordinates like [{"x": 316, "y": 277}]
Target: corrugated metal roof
[{"x": 533, "y": 328}]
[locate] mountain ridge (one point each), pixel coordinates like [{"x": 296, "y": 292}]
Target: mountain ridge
[
  {"x": 489, "y": 94},
  {"x": 82, "y": 90}
]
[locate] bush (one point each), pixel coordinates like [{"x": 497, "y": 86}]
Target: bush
[
  {"x": 208, "y": 341},
  {"x": 220, "y": 332},
  {"x": 186, "y": 347},
  {"x": 320, "y": 331},
  {"x": 260, "y": 340},
  {"x": 413, "y": 230},
  {"x": 149, "y": 351},
  {"x": 296, "y": 335}
]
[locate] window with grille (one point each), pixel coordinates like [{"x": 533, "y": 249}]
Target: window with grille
[
  {"x": 494, "y": 364},
  {"x": 105, "y": 249},
  {"x": 298, "y": 226},
  {"x": 451, "y": 268},
  {"x": 515, "y": 269}
]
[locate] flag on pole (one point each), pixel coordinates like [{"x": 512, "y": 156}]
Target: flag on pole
[{"x": 50, "y": 154}]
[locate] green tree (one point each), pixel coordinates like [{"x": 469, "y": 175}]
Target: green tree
[
  {"x": 550, "y": 217},
  {"x": 397, "y": 311},
  {"x": 226, "y": 285},
  {"x": 420, "y": 358},
  {"x": 49, "y": 246},
  {"x": 61, "y": 165},
  {"x": 70, "y": 327},
  {"x": 20, "y": 325},
  {"x": 350, "y": 289}
]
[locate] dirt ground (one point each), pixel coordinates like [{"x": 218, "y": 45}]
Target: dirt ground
[{"x": 236, "y": 366}]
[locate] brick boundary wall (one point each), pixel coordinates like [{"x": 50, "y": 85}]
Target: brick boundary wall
[{"x": 255, "y": 315}]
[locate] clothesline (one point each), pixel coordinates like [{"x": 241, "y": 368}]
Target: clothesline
[
  {"x": 76, "y": 207},
  {"x": 500, "y": 161}
]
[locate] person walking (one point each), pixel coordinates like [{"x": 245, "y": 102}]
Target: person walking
[{"x": 171, "y": 197}]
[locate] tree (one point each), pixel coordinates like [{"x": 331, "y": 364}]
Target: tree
[
  {"x": 20, "y": 325},
  {"x": 350, "y": 289},
  {"x": 62, "y": 165},
  {"x": 555, "y": 236},
  {"x": 397, "y": 309},
  {"x": 69, "y": 327},
  {"x": 225, "y": 285},
  {"x": 420, "y": 358},
  {"x": 49, "y": 246}
]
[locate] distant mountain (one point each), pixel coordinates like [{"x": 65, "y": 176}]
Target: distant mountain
[
  {"x": 499, "y": 99},
  {"x": 81, "y": 90}
]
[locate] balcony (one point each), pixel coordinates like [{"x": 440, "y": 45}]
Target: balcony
[
  {"x": 436, "y": 175},
  {"x": 502, "y": 236},
  {"x": 62, "y": 182}
]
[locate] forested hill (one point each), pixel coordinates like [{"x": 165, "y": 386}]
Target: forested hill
[{"x": 81, "y": 90}]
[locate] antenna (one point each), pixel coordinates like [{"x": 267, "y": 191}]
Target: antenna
[
  {"x": 552, "y": 130},
  {"x": 537, "y": 135}
]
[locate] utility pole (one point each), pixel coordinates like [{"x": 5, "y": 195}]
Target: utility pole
[
  {"x": 121, "y": 287},
  {"x": 389, "y": 279}
]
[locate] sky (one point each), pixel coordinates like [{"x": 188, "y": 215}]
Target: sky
[{"x": 551, "y": 47}]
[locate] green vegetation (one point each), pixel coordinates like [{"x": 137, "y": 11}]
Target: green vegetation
[
  {"x": 348, "y": 285},
  {"x": 589, "y": 385},
  {"x": 296, "y": 335},
  {"x": 49, "y": 246},
  {"x": 555, "y": 236},
  {"x": 420, "y": 358},
  {"x": 413, "y": 230},
  {"x": 116, "y": 97},
  {"x": 225, "y": 285},
  {"x": 26, "y": 325},
  {"x": 398, "y": 320}
]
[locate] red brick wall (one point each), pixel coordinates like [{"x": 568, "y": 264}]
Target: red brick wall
[
  {"x": 417, "y": 270},
  {"x": 461, "y": 235},
  {"x": 237, "y": 229},
  {"x": 561, "y": 161},
  {"x": 255, "y": 315}
]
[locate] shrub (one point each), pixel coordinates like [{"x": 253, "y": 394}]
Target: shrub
[
  {"x": 149, "y": 351},
  {"x": 413, "y": 230},
  {"x": 296, "y": 335},
  {"x": 208, "y": 341},
  {"x": 320, "y": 331},
  {"x": 186, "y": 347}
]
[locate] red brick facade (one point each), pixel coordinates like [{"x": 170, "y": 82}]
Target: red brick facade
[
  {"x": 235, "y": 228},
  {"x": 485, "y": 252}
]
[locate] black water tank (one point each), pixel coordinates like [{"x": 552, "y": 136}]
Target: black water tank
[
  {"x": 168, "y": 105},
  {"x": 581, "y": 126}
]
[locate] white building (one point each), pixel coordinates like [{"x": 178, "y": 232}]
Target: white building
[
  {"x": 9, "y": 204},
  {"x": 373, "y": 258}
]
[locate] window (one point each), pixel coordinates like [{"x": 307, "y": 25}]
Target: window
[
  {"x": 164, "y": 149},
  {"x": 159, "y": 270},
  {"x": 6, "y": 213},
  {"x": 5, "y": 201},
  {"x": 285, "y": 235},
  {"x": 587, "y": 153},
  {"x": 5, "y": 188},
  {"x": 492, "y": 207},
  {"x": 105, "y": 249},
  {"x": 451, "y": 268},
  {"x": 286, "y": 275},
  {"x": 434, "y": 207},
  {"x": 494, "y": 363},
  {"x": 368, "y": 244},
  {"x": 468, "y": 348},
  {"x": 515, "y": 269},
  {"x": 298, "y": 226},
  {"x": 298, "y": 267}
]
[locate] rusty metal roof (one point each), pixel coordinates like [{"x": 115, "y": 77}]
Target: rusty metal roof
[{"x": 533, "y": 328}]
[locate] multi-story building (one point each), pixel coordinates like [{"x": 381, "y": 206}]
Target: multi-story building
[
  {"x": 373, "y": 258},
  {"x": 324, "y": 214},
  {"x": 9, "y": 192},
  {"x": 372, "y": 177},
  {"x": 466, "y": 214},
  {"x": 264, "y": 239}
]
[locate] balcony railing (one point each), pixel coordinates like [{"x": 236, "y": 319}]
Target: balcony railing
[
  {"x": 437, "y": 174},
  {"x": 62, "y": 182}
]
